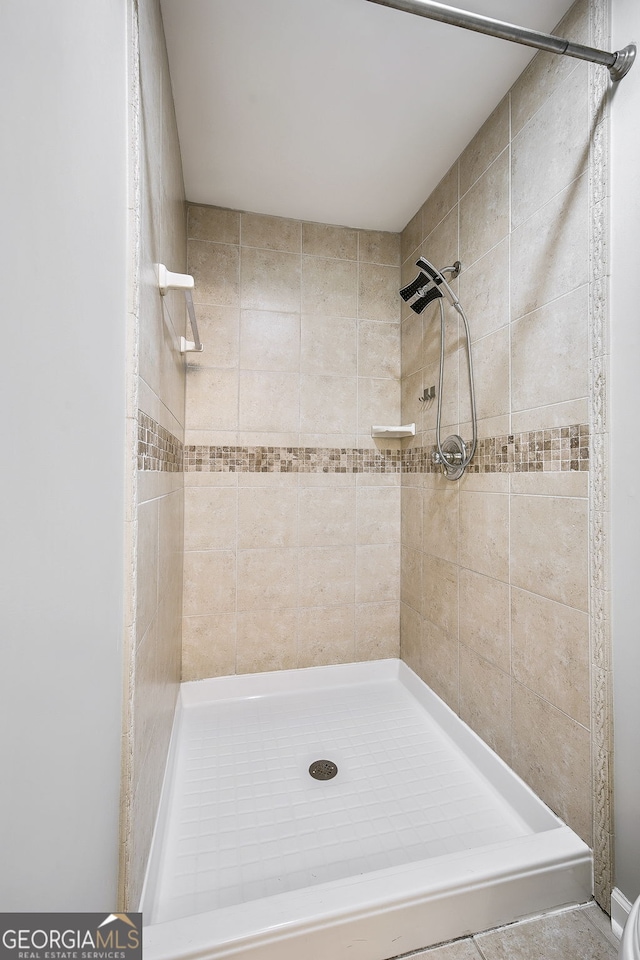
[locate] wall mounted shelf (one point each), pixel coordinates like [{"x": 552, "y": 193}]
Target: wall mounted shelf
[{"x": 394, "y": 433}]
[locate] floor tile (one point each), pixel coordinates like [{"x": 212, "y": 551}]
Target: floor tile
[{"x": 564, "y": 936}]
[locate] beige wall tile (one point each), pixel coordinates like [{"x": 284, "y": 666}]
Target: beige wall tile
[
  {"x": 267, "y": 578},
  {"x": 378, "y": 403},
  {"x": 326, "y": 575},
  {"x": 378, "y": 349},
  {"x": 550, "y": 644},
  {"x": 440, "y": 593},
  {"x": 441, "y": 247},
  {"x": 485, "y": 618},
  {"x": 270, "y": 341},
  {"x": 411, "y": 592},
  {"x": 411, "y": 638},
  {"x": 484, "y": 291},
  {"x": 377, "y": 631},
  {"x": 329, "y": 346},
  {"x": 219, "y": 329},
  {"x": 267, "y": 640},
  {"x": 271, "y": 233},
  {"x": 439, "y": 662},
  {"x": 484, "y": 211},
  {"x": 210, "y": 518},
  {"x": 377, "y": 572},
  {"x": 547, "y": 71},
  {"x": 565, "y": 484},
  {"x": 378, "y": 514},
  {"x": 551, "y": 753},
  {"x": 329, "y": 287},
  {"x": 440, "y": 520},
  {"x": 209, "y": 582},
  {"x": 553, "y": 415},
  {"x": 270, "y": 280},
  {"x": 215, "y": 271},
  {"x": 212, "y": 399},
  {"x": 269, "y": 402},
  {"x": 484, "y": 483},
  {"x": 326, "y": 240},
  {"x": 326, "y": 635},
  {"x": 484, "y": 533},
  {"x": 552, "y": 150},
  {"x": 487, "y": 144},
  {"x": 208, "y": 646},
  {"x": 411, "y": 516},
  {"x": 378, "y": 287},
  {"x": 378, "y": 246},
  {"x": 549, "y": 537},
  {"x": 328, "y": 404},
  {"x": 147, "y": 566},
  {"x": 267, "y": 517},
  {"x": 491, "y": 371},
  {"x": 327, "y": 516},
  {"x": 441, "y": 201},
  {"x": 213, "y": 223},
  {"x": 412, "y": 343},
  {"x": 411, "y": 410},
  {"x": 549, "y": 251},
  {"x": 485, "y": 701},
  {"x": 550, "y": 352},
  {"x": 412, "y": 236},
  {"x": 450, "y": 397}
]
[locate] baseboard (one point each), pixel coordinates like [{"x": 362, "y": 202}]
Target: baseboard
[{"x": 620, "y": 910}]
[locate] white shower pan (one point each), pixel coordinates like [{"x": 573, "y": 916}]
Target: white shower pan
[{"x": 424, "y": 834}]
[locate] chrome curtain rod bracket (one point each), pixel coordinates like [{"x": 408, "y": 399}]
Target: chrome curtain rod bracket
[{"x": 618, "y": 63}]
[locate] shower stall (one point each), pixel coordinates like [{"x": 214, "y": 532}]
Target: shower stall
[{"x": 325, "y": 568}]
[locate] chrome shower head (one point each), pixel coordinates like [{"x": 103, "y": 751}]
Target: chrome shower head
[{"x": 429, "y": 285}]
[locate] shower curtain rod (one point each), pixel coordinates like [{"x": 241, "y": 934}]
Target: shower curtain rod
[{"x": 619, "y": 63}]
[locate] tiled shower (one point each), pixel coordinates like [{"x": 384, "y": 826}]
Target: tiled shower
[{"x": 305, "y": 541}]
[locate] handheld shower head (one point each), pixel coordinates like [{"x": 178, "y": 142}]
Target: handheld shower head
[{"x": 429, "y": 285}]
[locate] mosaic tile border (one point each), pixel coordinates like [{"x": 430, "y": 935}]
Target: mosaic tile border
[
  {"x": 158, "y": 449},
  {"x": 557, "y": 449},
  {"x": 223, "y": 459}
]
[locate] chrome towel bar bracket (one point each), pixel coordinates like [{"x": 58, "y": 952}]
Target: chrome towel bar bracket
[{"x": 181, "y": 281}]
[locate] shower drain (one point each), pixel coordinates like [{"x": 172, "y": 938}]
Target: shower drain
[{"x": 323, "y": 769}]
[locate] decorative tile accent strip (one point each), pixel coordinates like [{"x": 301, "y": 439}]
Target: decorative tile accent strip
[
  {"x": 157, "y": 448},
  {"x": 291, "y": 460},
  {"x": 559, "y": 448}
]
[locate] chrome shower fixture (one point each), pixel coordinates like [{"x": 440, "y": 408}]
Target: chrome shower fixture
[
  {"x": 429, "y": 285},
  {"x": 452, "y": 454},
  {"x": 619, "y": 63}
]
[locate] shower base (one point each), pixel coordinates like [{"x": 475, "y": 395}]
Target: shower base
[{"x": 423, "y": 834}]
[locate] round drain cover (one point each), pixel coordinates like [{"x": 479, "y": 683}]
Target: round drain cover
[{"x": 323, "y": 769}]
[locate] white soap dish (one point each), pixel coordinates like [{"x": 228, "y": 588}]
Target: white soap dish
[{"x": 394, "y": 433}]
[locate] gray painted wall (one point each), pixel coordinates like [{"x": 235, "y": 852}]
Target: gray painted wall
[
  {"x": 625, "y": 470},
  {"x": 63, "y": 270}
]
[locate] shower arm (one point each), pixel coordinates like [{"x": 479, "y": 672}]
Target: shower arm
[{"x": 619, "y": 63}]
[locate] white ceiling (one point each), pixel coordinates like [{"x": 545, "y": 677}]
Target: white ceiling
[{"x": 339, "y": 111}]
